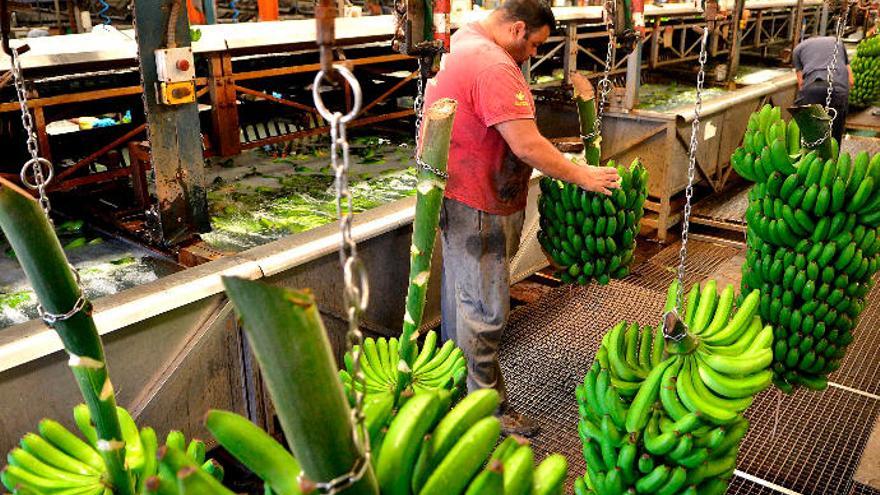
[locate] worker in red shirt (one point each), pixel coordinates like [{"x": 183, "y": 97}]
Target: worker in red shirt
[{"x": 495, "y": 144}]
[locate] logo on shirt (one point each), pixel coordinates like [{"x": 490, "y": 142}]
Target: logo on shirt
[{"x": 521, "y": 100}]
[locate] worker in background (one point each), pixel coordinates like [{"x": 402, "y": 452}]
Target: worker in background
[
  {"x": 811, "y": 58},
  {"x": 495, "y": 144}
]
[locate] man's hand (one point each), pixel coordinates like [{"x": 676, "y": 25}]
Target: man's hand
[
  {"x": 598, "y": 179},
  {"x": 529, "y": 146}
]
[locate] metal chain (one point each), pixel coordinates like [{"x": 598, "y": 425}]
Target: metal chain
[
  {"x": 33, "y": 177},
  {"x": 692, "y": 166},
  {"x": 829, "y": 75},
  {"x": 419, "y": 108},
  {"x": 832, "y": 66},
  {"x": 35, "y": 165},
  {"x": 356, "y": 292},
  {"x": 604, "y": 85}
]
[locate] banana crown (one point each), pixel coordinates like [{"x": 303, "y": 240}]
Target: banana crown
[{"x": 56, "y": 460}]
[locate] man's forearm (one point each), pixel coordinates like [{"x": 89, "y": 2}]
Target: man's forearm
[{"x": 542, "y": 155}]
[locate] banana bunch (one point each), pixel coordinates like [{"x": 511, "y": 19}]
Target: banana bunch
[
  {"x": 866, "y": 73},
  {"x": 422, "y": 448},
  {"x": 813, "y": 249},
  {"x": 869, "y": 47},
  {"x": 767, "y": 146},
  {"x": 57, "y": 461},
  {"x": 663, "y": 414},
  {"x": 434, "y": 368},
  {"x": 587, "y": 235}
]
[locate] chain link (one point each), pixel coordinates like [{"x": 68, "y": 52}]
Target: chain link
[
  {"x": 692, "y": 167},
  {"x": 35, "y": 165},
  {"x": 605, "y": 85},
  {"x": 419, "y": 108},
  {"x": 33, "y": 177},
  {"x": 356, "y": 291},
  {"x": 829, "y": 75}
]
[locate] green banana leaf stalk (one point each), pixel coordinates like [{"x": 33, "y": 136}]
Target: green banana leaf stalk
[
  {"x": 399, "y": 365},
  {"x": 38, "y": 250},
  {"x": 418, "y": 446},
  {"x": 814, "y": 123},
  {"x": 434, "y": 151},
  {"x": 115, "y": 458},
  {"x": 660, "y": 415},
  {"x": 586, "y": 104},
  {"x": 287, "y": 335}
]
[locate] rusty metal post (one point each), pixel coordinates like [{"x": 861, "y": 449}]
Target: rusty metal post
[
  {"x": 42, "y": 135},
  {"x": 173, "y": 132},
  {"x": 633, "y": 77},
  {"x": 5, "y": 26},
  {"x": 798, "y": 24},
  {"x": 735, "y": 40},
  {"x": 225, "y": 132},
  {"x": 571, "y": 52},
  {"x": 325, "y": 19}
]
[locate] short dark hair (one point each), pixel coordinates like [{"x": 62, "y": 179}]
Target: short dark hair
[{"x": 534, "y": 13}]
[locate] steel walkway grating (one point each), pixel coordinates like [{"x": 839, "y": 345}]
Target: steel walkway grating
[
  {"x": 660, "y": 270},
  {"x": 817, "y": 442},
  {"x": 861, "y": 366},
  {"x": 726, "y": 210},
  {"x": 741, "y": 486},
  {"x": 860, "y": 489},
  {"x": 549, "y": 346}
]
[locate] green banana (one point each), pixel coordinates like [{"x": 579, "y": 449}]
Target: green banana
[{"x": 465, "y": 459}]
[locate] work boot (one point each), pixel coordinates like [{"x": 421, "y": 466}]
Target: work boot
[{"x": 515, "y": 423}]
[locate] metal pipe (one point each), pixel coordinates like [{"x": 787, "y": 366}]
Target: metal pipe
[
  {"x": 717, "y": 105},
  {"x": 735, "y": 41}
]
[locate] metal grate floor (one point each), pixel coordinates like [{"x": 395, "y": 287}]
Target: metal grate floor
[
  {"x": 815, "y": 446},
  {"x": 703, "y": 258},
  {"x": 548, "y": 348},
  {"x": 860, "y": 489},
  {"x": 860, "y": 368},
  {"x": 811, "y": 445},
  {"x": 725, "y": 210}
]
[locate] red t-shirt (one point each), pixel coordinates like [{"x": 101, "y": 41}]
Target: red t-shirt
[{"x": 490, "y": 89}]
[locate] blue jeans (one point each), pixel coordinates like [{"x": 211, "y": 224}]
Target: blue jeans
[{"x": 475, "y": 299}]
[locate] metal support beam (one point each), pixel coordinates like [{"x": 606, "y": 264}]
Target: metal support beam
[
  {"x": 569, "y": 61},
  {"x": 267, "y": 10},
  {"x": 823, "y": 20},
  {"x": 173, "y": 131},
  {"x": 209, "y": 7},
  {"x": 798, "y": 21},
  {"x": 633, "y": 77},
  {"x": 735, "y": 40},
  {"x": 226, "y": 136}
]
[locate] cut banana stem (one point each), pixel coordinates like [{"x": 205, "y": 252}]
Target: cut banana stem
[
  {"x": 434, "y": 151},
  {"x": 39, "y": 251}
]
